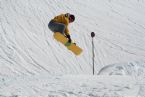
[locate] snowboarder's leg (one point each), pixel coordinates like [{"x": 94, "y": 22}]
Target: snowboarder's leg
[{"x": 57, "y": 27}]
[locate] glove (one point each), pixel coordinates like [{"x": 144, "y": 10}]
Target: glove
[
  {"x": 74, "y": 43},
  {"x": 69, "y": 39}
]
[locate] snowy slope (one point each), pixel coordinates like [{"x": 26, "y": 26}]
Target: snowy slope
[
  {"x": 70, "y": 86},
  {"x": 27, "y": 46},
  {"x": 134, "y": 69}
]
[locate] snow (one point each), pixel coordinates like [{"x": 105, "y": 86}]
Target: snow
[
  {"x": 72, "y": 86},
  {"x": 34, "y": 64}
]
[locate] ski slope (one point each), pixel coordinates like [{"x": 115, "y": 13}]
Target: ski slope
[
  {"x": 71, "y": 86},
  {"x": 28, "y": 49}
]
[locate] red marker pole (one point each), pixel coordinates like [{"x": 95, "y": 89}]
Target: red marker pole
[{"x": 93, "y": 52}]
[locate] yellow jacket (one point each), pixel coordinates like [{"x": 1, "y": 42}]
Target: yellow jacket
[{"x": 62, "y": 19}]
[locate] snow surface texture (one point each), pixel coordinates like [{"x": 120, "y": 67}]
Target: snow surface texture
[
  {"x": 71, "y": 86},
  {"x": 134, "y": 69},
  {"x": 27, "y": 48}
]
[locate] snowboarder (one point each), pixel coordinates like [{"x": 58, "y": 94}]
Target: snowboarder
[{"x": 60, "y": 24}]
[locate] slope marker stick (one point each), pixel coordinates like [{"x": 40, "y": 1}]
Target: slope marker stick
[{"x": 93, "y": 53}]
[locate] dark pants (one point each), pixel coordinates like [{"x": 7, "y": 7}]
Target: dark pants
[{"x": 56, "y": 27}]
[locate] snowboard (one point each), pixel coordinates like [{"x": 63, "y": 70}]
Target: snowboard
[{"x": 71, "y": 46}]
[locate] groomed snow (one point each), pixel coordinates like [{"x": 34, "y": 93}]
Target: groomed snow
[{"x": 34, "y": 64}]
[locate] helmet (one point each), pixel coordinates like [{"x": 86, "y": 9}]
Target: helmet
[{"x": 72, "y": 18}]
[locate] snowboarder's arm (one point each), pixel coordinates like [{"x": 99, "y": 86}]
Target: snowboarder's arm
[
  {"x": 67, "y": 31},
  {"x": 67, "y": 34}
]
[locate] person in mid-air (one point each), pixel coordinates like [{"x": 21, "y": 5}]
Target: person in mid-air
[{"x": 60, "y": 24}]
